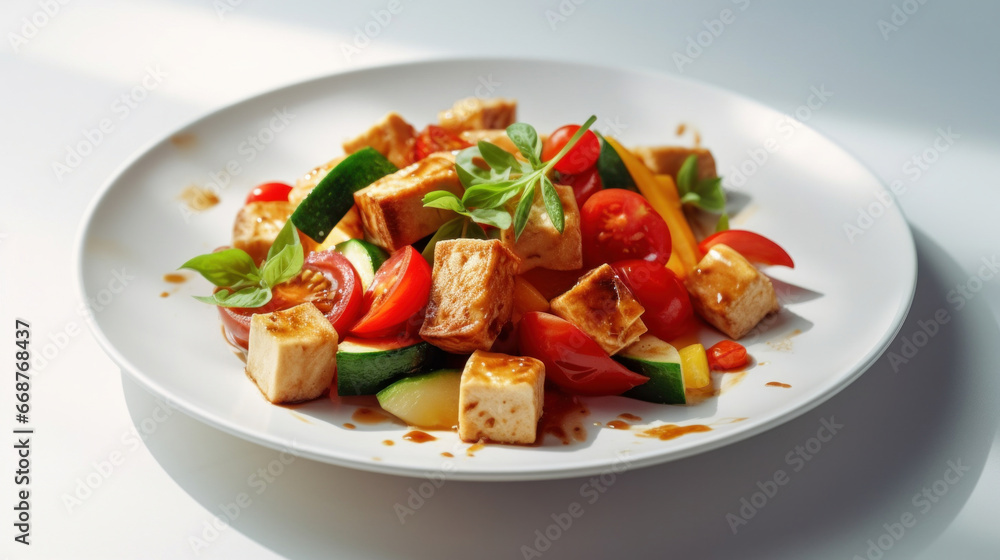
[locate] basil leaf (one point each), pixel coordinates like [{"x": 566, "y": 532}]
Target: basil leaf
[
  {"x": 490, "y": 195},
  {"x": 491, "y": 216},
  {"x": 468, "y": 172},
  {"x": 473, "y": 230},
  {"x": 282, "y": 267},
  {"x": 288, "y": 236},
  {"x": 496, "y": 157},
  {"x": 247, "y": 297},
  {"x": 523, "y": 210},
  {"x": 445, "y": 200},
  {"x": 691, "y": 198},
  {"x": 713, "y": 198},
  {"x": 525, "y": 137},
  {"x": 452, "y": 229},
  {"x": 687, "y": 176},
  {"x": 223, "y": 268},
  {"x": 553, "y": 204},
  {"x": 723, "y": 223}
]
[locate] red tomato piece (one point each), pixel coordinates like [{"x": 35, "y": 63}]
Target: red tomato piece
[
  {"x": 269, "y": 192},
  {"x": 753, "y": 246},
  {"x": 573, "y": 361},
  {"x": 327, "y": 280},
  {"x": 584, "y": 184},
  {"x": 617, "y": 225},
  {"x": 661, "y": 293},
  {"x": 401, "y": 288},
  {"x": 727, "y": 355},
  {"x": 581, "y": 157},
  {"x": 436, "y": 139}
]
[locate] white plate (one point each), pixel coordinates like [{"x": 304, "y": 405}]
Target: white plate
[{"x": 852, "y": 298}]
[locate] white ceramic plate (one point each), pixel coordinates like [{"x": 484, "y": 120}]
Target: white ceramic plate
[{"x": 844, "y": 300}]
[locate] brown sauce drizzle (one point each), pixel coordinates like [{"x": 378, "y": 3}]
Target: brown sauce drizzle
[
  {"x": 471, "y": 451},
  {"x": 349, "y": 426},
  {"x": 630, "y": 417},
  {"x": 562, "y": 417},
  {"x": 184, "y": 140},
  {"x": 164, "y": 294},
  {"x": 416, "y": 436},
  {"x": 175, "y": 278},
  {"x": 198, "y": 199},
  {"x": 365, "y": 415},
  {"x": 388, "y": 442},
  {"x": 618, "y": 425},
  {"x": 671, "y": 431},
  {"x": 446, "y": 454},
  {"x": 777, "y": 384}
]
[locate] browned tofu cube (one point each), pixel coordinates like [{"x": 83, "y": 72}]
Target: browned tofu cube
[
  {"x": 392, "y": 137},
  {"x": 729, "y": 292},
  {"x": 667, "y": 160},
  {"x": 472, "y": 294},
  {"x": 602, "y": 306},
  {"x": 306, "y": 183},
  {"x": 473, "y": 113},
  {"x": 257, "y": 226},
  {"x": 541, "y": 244},
  {"x": 500, "y": 398},
  {"x": 293, "y": 353},
  {"x": 392, "y": 208},
  {"x": 496, "y": 136}
]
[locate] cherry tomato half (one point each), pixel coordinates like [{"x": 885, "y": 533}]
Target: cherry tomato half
[
  {"x": 584, "y": 184},
  {"x": 727, "y": 355},
  {"x": 617, "y": 225},
  {"x": 327, "y": 280},
  {"x": 573, "y": 361},
  {"x": 269, "y": 192},
  {"x": 753, "y": 246},
  {"x": 400, "y": 289},
  {"x": 436, "y": 139},
  {"x": 661, "y": 293},
  {"x": 583, "y": 155}
]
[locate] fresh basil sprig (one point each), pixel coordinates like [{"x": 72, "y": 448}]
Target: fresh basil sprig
[
  {"x": 487, "y": 191},
  {"x": 243, "y": 283},
  {"x": 706, "y": 194}
]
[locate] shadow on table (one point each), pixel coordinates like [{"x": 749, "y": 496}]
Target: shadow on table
[{"x": 905, "y": 426}]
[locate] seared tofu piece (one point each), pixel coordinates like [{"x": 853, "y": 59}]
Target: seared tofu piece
[
  {"x": 306, "y": 183},
  {"x": 500, "y": 398},
  {"x": 293, "y": 354},
  {"x": 667, "y": 160},
  {"x": 729, "y": 292},
  {"x": 392, "y": 208},
  {"x": 602, "y": 306},
  {"x": 472, "y": 294},
  {"x": 392, "y": 137},
  {"x": 493, "y": 136},
  {"x": 473, "y": 113},
  {"x": 257, "y": 226},
  {"x": 541, "y": 244}
]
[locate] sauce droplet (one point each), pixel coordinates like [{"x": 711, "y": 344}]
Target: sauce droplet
[
  {"x": 629, "y": 417},
  {"x": 777, "y": 384},
  {"x": 175, "y": 278},
  {"x": 562, "y": 417},
  {"x": 475, "y": 447},
  {"x": 619, "y": 425},
  {"x": 680, "y": 129},
  {"x": 671, "y": 431},
  {"x": 184, "y": 140},
  {"x": 446, "y": 454},
  {"x": 198, "y": 199},
  {"x": 164, "y": 294},
  {"x": 416, "y": 436},
  {"x": 349, "y": 426},
  {"x": 366, "y": 415},
  {"x": 388, "y": 442}
]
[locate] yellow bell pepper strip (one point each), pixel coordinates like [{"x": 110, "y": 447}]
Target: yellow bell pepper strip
[
  {"x": 661, "y": 192},
  {"x": 694, "y": 366},
  {"x": 527, "y": 298}
]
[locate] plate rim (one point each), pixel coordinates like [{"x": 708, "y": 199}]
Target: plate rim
[{"x": 538, "y": 471}]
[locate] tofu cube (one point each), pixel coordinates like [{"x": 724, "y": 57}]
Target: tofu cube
[
  {"x": 392, "y": 208},
  {"x": 392, "y": 137},
  {"x": 472, "y": 294},
  {"x": 257, "y": 226},
  {"x": 501, "y": 398},
  {"x": 306, "y": 183},
  {"x": 602, "y": 306},
  {"x": 541, "y": 244},
  {"x": 473, "y": 113},
  {"x": 667, "y": 160},
  {"x": 729, "y": 292},
  {"x": 293, "y": 354},
  {"x": 496, "y": 136}
]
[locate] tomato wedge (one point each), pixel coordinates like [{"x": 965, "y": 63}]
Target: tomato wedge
[
  {"x": 661, "y": 293},
  {"x": 727, "y": 355},
  {"x": 327, "y": 280},
  {"x": 585, "y": 184},
  {"x": 269, "y": 192},
  {"x": 753, "y": 246},
  {"x": 617, "y": 224},
  {"x": 436, "y": 139},
  {"x": 399, "y": 290},
  {"x": 573, "y": 361}
]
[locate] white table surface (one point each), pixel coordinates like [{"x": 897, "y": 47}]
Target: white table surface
[{"x": 893, "y": 88}]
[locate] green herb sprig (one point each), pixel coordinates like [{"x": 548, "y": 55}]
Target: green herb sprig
[
  {"x": 243, "y": 283},
  {"x": 706, "y": 194},
  {"x": 487, "y": 191}
]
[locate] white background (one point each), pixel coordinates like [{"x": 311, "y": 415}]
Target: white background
[{"x": 893, "y": 88}]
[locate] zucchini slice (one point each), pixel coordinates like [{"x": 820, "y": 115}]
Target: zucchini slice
[{"x": 366, "y": 366}]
